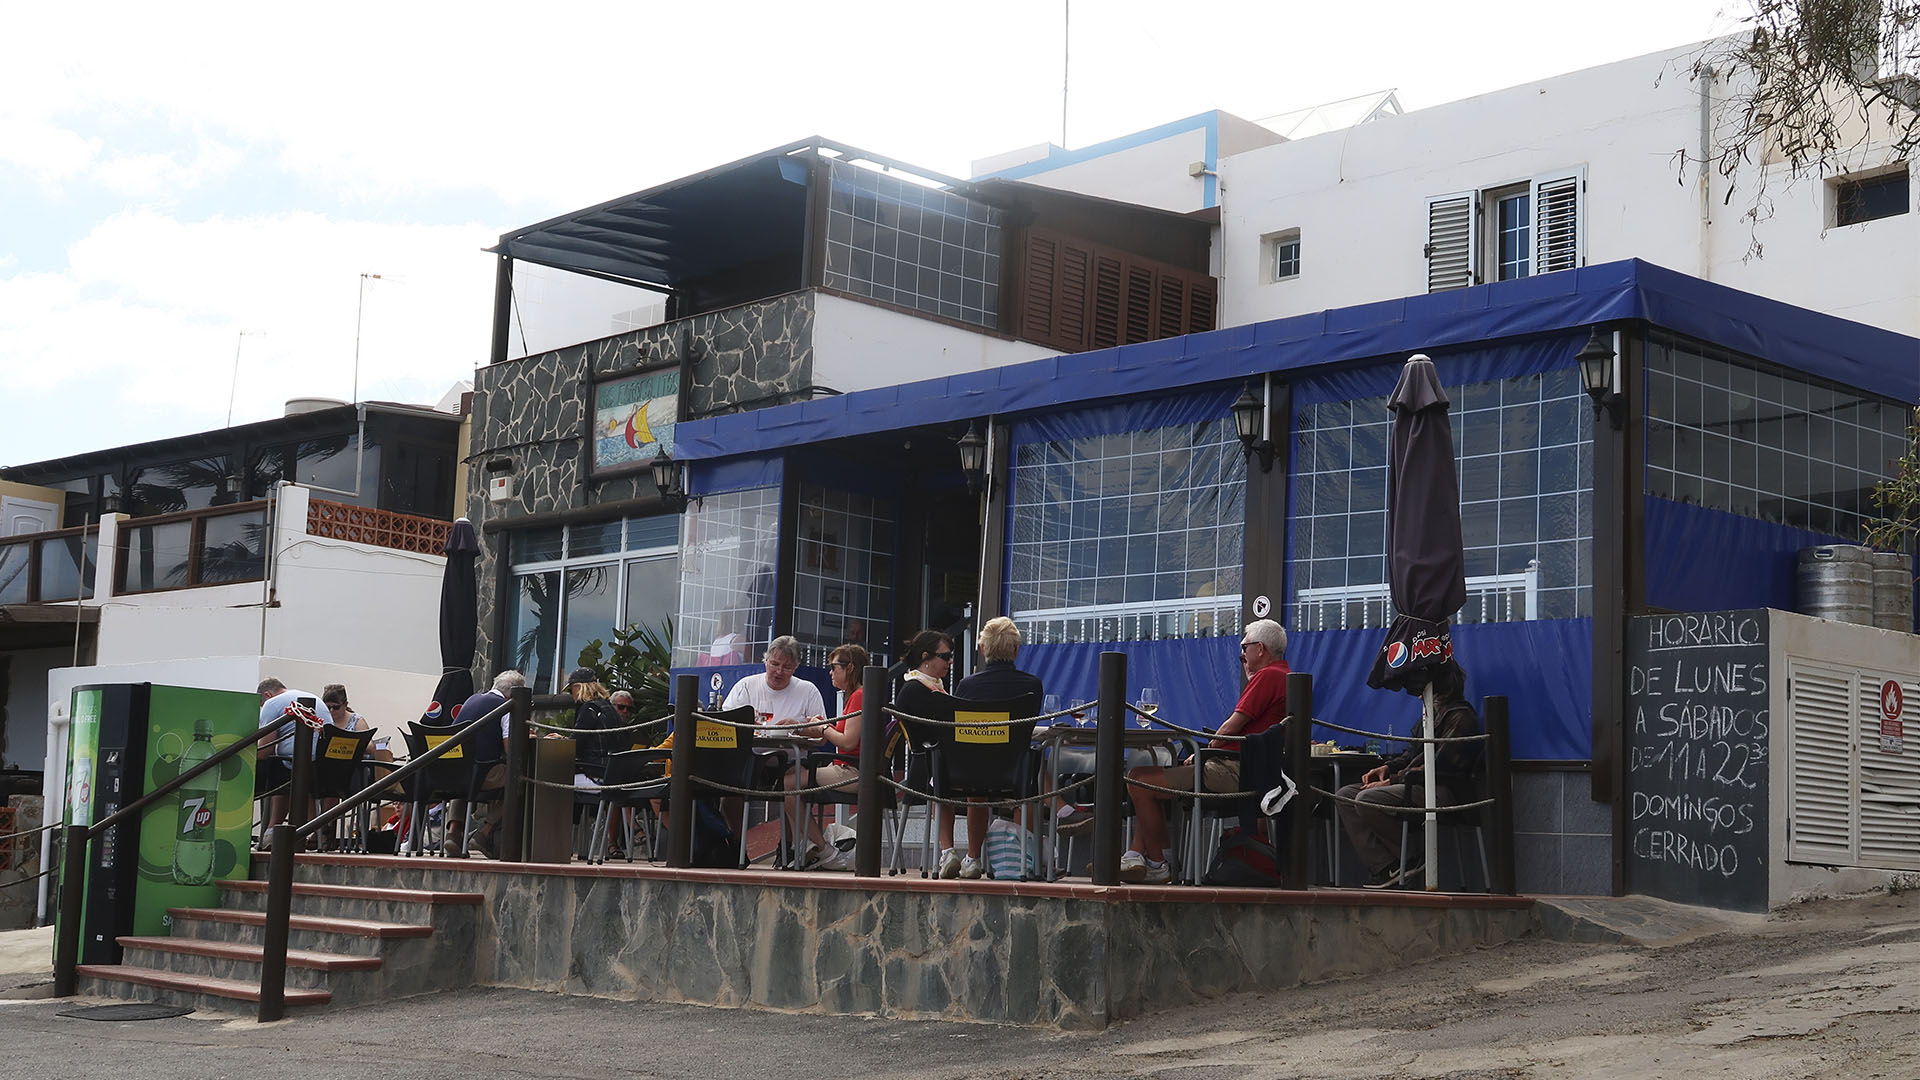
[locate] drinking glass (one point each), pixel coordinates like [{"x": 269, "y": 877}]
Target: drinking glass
[
  {"x": 1149, "y": 701},
  {"x": 1080, "y": 712},
  {"x": 1050, "y": 704}
]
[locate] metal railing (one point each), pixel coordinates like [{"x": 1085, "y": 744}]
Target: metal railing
[
  {"x": 73, "y": 871},
  {"x": 287, "y": 837}
]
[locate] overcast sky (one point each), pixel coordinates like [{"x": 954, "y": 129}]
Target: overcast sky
[{"x": 175, "y": 175}]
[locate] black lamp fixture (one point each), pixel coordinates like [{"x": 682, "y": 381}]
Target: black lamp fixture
[
  {"x": 973, "y": 457},
  {"x": 1596, "y": 371},
  {"x": 1249, "y": 422},
  {"x": 666, "y": 477},
  {"x": 111, "y": 503}
]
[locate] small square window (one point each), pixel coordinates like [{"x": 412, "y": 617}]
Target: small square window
[
  {"x": 1283, "y": 255},
  {"x": 1858, "y": 199}
]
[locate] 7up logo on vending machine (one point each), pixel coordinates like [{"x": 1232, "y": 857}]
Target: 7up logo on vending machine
[{"x": 193, "y": 841}]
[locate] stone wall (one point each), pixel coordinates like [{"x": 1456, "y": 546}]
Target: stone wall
[
  {"x": 533, "y": 411},
  {"x": 1060, "y": 955}
]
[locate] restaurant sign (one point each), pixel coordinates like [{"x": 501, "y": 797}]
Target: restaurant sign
[{"x": 633, "y": 419}]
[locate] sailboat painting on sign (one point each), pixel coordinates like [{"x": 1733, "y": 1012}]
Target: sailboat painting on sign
[{"x": 633, "y": 419}]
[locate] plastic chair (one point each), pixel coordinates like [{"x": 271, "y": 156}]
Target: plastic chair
[
  {"x": 455, "y": 775},
  {"x": 991, "y": 760},
  {"x": 629, "y": 767},
  {"x": 724, "y": 754},
  {"x": 339, "y": 768}
]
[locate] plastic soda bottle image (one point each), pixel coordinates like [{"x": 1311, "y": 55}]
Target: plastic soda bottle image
[{"x": 193, "y": 842}]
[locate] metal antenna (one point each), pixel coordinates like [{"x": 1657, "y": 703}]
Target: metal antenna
[
  {"x": 233, "y": 388},
  {"x": 1066, "y": 54},
  {"x": 359, "y": 311}
]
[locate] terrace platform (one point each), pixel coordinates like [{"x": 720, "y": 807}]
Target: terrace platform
[{"x": 1065, "y": 954}]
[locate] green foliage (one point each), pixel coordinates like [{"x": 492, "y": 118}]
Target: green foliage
[
  {"x": 639, "y": 663},
  {"x": 1899, "y": 499}
]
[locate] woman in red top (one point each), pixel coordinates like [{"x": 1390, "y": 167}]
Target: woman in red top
[{"x": 846, "y": 665}]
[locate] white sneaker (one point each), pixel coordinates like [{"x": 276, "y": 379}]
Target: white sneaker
[
  {"x": 949, "y": 864},
  {"x": 837, "y": 860},
  {"x": 1133, "y": 867},
  {"x": 1157, "y": 874},
  {"x": 971, "y": 868}
]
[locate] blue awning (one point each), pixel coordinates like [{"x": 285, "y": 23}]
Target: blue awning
[{"x": 1850, "y": 353}]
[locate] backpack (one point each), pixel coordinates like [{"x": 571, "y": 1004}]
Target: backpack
[{"x": 1244, "y": 860}]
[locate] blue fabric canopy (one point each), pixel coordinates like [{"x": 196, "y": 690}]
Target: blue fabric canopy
[{"x": 1850, "y": 353}]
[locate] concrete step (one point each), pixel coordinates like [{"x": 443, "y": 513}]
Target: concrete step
[
  {"x": 413, "y": 958},
  {"x": 444, "y": 911},
  {"x": 307, "y": 968},
  {"x": 203, "y": 992}
]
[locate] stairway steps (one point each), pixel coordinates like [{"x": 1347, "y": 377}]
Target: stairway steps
[
  {"x": 357, "y": 892},
  {"x": 315, "y": 923},
  {"x": 233, "y": 950},
  {"x": 200, "y": 985}
]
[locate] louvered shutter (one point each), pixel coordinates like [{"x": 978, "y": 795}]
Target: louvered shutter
[
  {"x": 1453, "y": 260},
  {"x": 1108, "y": 300},
  {"x": 1078, "y": 295},
  {"x": 1889, "y": 814},
  {"x": 1200, "y": 306},
  {"x": 1042, "y": 265},
  {"x": 1820, "y": 795},
  {"x": 1559, "y": 234}
]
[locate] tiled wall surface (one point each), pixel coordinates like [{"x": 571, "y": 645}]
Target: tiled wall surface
[
  {"x": 533, "y": 411},
  {"x": 1562, "y": 839}
]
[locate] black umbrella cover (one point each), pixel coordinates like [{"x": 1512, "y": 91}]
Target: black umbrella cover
[
  {"x": 1426, "y": 566},
  {"x": 459, "y": 624}
]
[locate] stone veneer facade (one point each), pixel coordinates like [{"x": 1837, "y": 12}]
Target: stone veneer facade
[
  {"x": 1060, "y": 955},
  {"x": 533, "y": 410}
]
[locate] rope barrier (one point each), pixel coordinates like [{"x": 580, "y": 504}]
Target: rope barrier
[
  {"x": 1171, "y": 726},
  {"x": 24, "y": 880},
  {"x": 635, "y": 786},
  {"x": 773, "y": 793},
  {"x": 1389, "y": 808},
  {"x": 556, "y": 728},
  {"x": 908, "y": 718},
  {"x": 757, "y": 725},
  {"x": 29, "y": 832},
  {"x": 1415, "y": 739},
  {"x": 1006, "y": 804},
  {"x": 1187, "y": 793}
]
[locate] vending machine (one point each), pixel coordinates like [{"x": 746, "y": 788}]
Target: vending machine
[{"x": 128, "y": 739}]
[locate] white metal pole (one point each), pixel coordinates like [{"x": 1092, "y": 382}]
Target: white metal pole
[{"x": 1432, "y": 840}]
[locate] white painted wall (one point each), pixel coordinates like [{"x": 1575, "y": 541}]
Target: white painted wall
[
  {"x": 1358, "y": 197},
  {"x": 1151, "y": 174},
  {"x": 858, "y": 346}
]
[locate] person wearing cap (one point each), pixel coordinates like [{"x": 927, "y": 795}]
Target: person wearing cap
[
  {"x": 1262, "y": 705},
  {"x": 593, "y": 711}
]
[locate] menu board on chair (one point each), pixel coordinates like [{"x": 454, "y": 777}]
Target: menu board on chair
[{"x": 1697, "y": 757}]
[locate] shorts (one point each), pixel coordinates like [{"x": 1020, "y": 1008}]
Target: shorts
[
  {"x": 1078, "y": 760},
  {"x": 1223, "y": 774},
  {"x": 270, "y": 773},
  {"x": 833, "y": 775}
]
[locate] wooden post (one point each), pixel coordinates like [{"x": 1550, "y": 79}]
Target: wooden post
[
  {"x": 1299, "y": 758},
  {"x": 273, "y": 940},
  {"x": 872, "y": 821},
  {"x": 1499, "y": 817},
  {"x": 686, "y": 695},
  {"x": 512, "y": 840},
  {"x": 1109, "y": 760},
  {"x": 73, "y": 884}
]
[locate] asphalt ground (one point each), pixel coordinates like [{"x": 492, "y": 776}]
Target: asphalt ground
[{"x": 1828, "y": 990}]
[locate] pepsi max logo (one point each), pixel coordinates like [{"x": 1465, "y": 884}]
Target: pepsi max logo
[
  {"x": 433, "y": 710},
  {"x": 1396, "y": 654},
  {"x": 1425, "y": 648}
]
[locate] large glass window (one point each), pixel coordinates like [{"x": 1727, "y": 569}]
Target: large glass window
[
  {"x": 577, "y": 583},
  {"x": 843, "y": 572},
  {"x": 1129, "y": 537},
  {"x": 1779, "y": 446},
  {"x": 730, "y": 544},
  {"x": 912, "y": 245},
  {"x": 1523, "y": 451}
]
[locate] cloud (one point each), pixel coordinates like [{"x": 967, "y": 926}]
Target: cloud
[{"x": 149, "y": 314}]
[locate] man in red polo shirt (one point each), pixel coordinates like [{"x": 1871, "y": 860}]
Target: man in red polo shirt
[{"x": 1263, "y": 704}]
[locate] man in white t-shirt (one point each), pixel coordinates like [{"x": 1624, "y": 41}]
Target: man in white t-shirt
[
  {"x": 275, "y": 764},
  {"x": 777, "y": 696}
]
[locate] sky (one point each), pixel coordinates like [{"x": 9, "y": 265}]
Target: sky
[{"x": 193, "y": 197}]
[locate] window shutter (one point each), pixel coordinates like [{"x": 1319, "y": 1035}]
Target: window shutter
[
  {"x": 1820, "y": 707},
  {"x": 1453, "y": 260},
  {"x": 1107, "y": 302},
  {"x": 1200, "y": 306},
  {"x": 1889, "y": 784},
  {"x": 1036, "y": 316},
  {"x": 1559, "y": 238},
  {"x": 1079, "y": 295}
]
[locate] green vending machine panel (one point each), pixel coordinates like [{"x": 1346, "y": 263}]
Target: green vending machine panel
[{"x": 200, "y": 834}]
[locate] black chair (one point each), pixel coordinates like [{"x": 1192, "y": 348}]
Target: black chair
[
  {"x": 724, "y": 754},
  {"x": 339, "y": 758},
  {"x": 986, "y": 757},
  {"x": 648, "y": 767},
  {"x": 454, "y": 775}
]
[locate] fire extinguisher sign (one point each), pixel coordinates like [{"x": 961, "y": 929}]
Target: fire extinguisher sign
[{"x": 1893, "y": 702}]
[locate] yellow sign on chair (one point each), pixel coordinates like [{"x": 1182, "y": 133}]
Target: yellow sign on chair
[
  {"x": 711, "y": 736},
  {"x": 436, "y": 740},
  {"x": 340, "y": 749},
  {"x": 981, "y": 727}
]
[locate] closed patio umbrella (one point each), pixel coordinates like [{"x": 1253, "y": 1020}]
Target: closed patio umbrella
[
  {"x": 459, "y": 623},
  {"x": 1426, "y": 562}
]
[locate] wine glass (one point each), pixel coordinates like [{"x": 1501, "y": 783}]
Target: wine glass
[
  {"x": 1050, "y": 703},
  {"x": 1079, "y": 715},
  {"x": 1149, "y": 700}
]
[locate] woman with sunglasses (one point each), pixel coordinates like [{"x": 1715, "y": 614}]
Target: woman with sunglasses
[
  {"x": 844, "y": 665},
  {"x": 930, "y": 658}
]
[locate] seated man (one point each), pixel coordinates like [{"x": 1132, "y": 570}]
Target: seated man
[
  {"x": 486, "y": 748},
  {"x": 1400, "y": 781},
  {"x": 997, "y": 680},
  {"x": 779, "y": 699},
  {"x": 274, "y": 765},
  {"x": 1262, "y": 705}
]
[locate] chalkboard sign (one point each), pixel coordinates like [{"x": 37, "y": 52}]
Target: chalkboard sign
[{"x": 1697, "y": 758}]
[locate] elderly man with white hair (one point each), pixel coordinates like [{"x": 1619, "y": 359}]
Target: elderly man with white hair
[{"x": 1262, "y": 705}]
